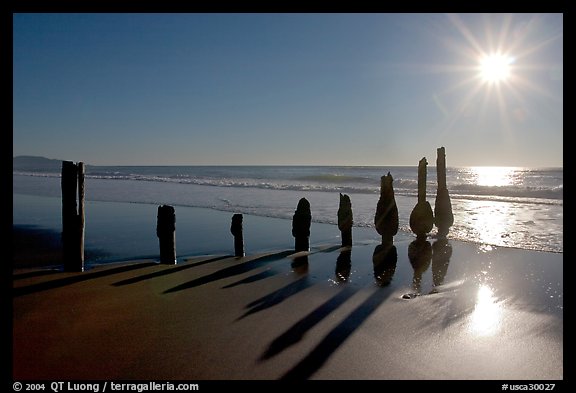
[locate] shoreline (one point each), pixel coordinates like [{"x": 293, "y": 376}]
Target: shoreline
[
  {"x": 36, "y": 235},
  {"x": 43, "y": 250},
  {"x": 522, "y": 226}
]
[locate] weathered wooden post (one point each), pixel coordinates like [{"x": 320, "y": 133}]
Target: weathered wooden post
[
  {"x": 236, "y": 229},
  {"x": 72, "y": 184},
  {"x": 301, "y": 225},
  {"x": 386, "y": 217},
  {"x": 422, "y": 218},
  {"x": 81, "y": 218},
  {"x": 345, "y": 220},
  {"x": 443, "y": 216},
  {"x": 166, "y": 232}
]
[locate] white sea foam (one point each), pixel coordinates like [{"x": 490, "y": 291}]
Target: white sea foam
[{"x": 534, "y": 192}]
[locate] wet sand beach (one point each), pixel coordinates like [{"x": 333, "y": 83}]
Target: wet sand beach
[{"x": 482, "y": 313}]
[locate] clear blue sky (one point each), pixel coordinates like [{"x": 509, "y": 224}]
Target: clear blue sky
[{"x": 326, "y": 89}]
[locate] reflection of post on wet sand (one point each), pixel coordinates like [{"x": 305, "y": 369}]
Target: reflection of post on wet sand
[
  {"x": 441, "y": 253},
  {"x": 344, "y": 264},
  {"x": 419, "y": 254},
  {"x": 384, "y": 259},
  {"x": 300, "y": 264}
]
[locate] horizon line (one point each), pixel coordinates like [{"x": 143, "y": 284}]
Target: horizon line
[{"x": 298, "y": 165}]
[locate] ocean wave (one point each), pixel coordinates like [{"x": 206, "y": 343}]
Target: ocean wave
[
  {"x": 556, "y": 192},
  {"x": 343, "y": 184},
  {"x": 335, "y": 178},
  {"x": 36, "y": 174}
]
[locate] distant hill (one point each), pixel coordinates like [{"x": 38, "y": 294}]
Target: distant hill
[{"x": 36, "y": 164}]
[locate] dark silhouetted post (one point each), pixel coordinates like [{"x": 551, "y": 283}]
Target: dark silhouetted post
[
  {"x": 301, "y": 225},
  {"x": 345, "y": 220},
  {"x": 236, "y": 229},
  {"x": 72, "y": 184},
  {"x": 443, "y": 216},
  {"x": 81, "y": 219},
  {"x": 386, "y": 217},
  {"x": 166, "y": 232},
  {"x": 422, "y": 218}
]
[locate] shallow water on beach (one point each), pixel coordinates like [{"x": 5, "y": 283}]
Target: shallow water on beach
[
  {"x": 121, "y": 231},
  {"x": 513, "y": 208}
]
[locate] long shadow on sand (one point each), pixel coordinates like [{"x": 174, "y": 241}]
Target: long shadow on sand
[
  {"x": 326, "y": 250},
  {"x": 315, "y": 359},
  {"x": 231, "y": 271},
  {"x": 43, "y": 286},
  {"x": 38, "y": 273},
  {"x": 256, "y": 277},
  {"x": 299, "y": 267},
  {"x": 171, "y": 270},
  {"x": 385, "y": 259},
  {"x": 299, "y": 329},
  {"x": 277, "y": 296}
]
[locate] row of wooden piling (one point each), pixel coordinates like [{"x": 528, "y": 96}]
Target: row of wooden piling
[
  {"x": 72, "y": 184},
  {"x": 422, "y": 218},
  {"x": 386, "y": 219}
]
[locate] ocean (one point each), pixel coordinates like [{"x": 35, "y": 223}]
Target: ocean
[{"x": 494, "y": 206}]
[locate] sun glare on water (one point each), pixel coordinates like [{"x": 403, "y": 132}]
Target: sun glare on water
[
  {"x": 494, "y": 176},
  {"x": 485, "y": 319}
]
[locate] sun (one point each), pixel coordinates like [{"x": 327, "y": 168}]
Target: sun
[{"x": 495, "y": 68}]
